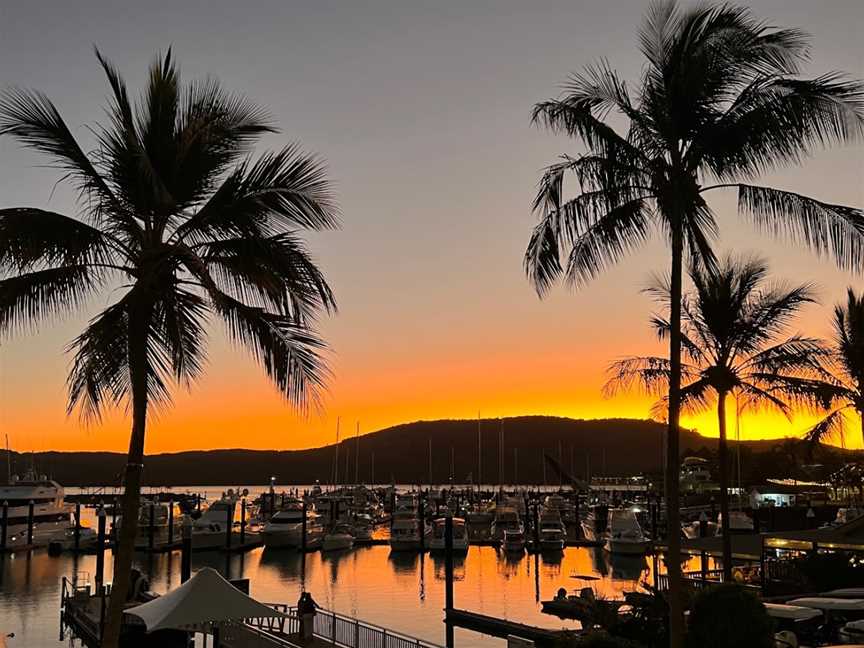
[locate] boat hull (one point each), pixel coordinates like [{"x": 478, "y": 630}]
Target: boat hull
[{"x": 626, "y": 547}]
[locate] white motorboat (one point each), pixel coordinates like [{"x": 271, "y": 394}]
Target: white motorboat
[
  {"x": 552, "y": 533},
  {"x": 338, "y": 538},
  {"x": 514, "y": 541},
  {"x": 159, "y": 524},
  {"x": 625, "y": 535},
  {"x": 437, "y": 541},
  {"x": 506, "y": 519},
  {"x": 285, "y": 528},
  {"x": 211, "y": 529},
  {"x": 595, "y": 525},
  {"x": 51, "y": 518},
  {"x": 739, "y": 524},
  {"x": 405, "y": 531}
]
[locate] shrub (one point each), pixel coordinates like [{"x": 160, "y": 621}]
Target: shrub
[{"x": 728, "y": 616}]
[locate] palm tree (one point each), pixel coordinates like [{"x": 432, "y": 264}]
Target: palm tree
[
  {"x": 720, "y": 101},
  {"x": 842, "y": 391},
  {"x": 178, "y": 221},
  {"x": 730, "y": 324}
]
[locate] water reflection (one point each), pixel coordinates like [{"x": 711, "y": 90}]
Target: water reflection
[{"x": 404, "y": 591}]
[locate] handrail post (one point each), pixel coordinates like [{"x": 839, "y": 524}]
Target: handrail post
[{"x": 356, "y": 633}]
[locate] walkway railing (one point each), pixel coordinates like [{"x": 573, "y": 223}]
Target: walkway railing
[{"x": 341, "y": 631}]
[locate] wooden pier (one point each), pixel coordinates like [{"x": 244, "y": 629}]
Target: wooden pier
[{"x": 499, "y": 627}]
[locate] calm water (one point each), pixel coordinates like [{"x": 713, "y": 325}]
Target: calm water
[{"x": 402, "y": 592}]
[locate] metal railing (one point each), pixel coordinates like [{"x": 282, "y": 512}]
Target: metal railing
[{"x": 341, "y": 631}]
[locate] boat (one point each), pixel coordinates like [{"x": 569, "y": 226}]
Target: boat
[
  {"x": 285, "y": 527},
  {"x": 506, "y": 519},
  {"x": 405, "y": 531},
  {"x": 843, "y": 516},
  {"x": 159, "y": 524},
  {"x": 51, "y": 518},
  {"x": 338, "y": 538},
  {"x": 739, "y": 524},
  {"x": 595, "y": 524},
  {"x": 582, "y": 605},
  {"x": 481, "y": 513},
  {"x": 362, "y": 528},
  {"x": 563, "y": 505},
  {"x": 210, "y": 530},
  {"x": 552, "y": 533},
  {"x": 625, "y": 535},
  {"x": 514, "y": 541},
  {"x": 436, "y": 540}
]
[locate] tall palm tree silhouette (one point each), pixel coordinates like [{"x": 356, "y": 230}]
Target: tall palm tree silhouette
[
  {"x": 729, "y": 332},
  {"x": 175, "y": 213},
  {"x": 720, "y": 101},
  {"x": 843, "y": 391}
]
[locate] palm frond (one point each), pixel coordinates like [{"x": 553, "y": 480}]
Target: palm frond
[
  {"x": 32, "y": 119},
  {"x": 608, "y": 239},
  {"x": 828, "y": 428},
  {"x": 831, "y": 230},
  {"x": 777, "y": 121},
  {"x": 35, "y": 237},
  {"x": 276, "y": 273},
  {"x": 28, "y": 298},
  {"x": 285, "y": 190},
  {"x": 290, "y": 353}
]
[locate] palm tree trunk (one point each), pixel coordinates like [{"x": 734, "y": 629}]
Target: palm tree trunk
[
  {"x": 723, "y": 455},
  {"x": 139, "y": 320},
  {"x": 673, "y": 518}
]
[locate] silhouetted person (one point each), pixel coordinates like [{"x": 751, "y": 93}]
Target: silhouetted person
[{"x": 306, "y": 608}]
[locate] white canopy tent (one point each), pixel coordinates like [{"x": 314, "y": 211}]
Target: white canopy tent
[{"x": 204, "y": 602}]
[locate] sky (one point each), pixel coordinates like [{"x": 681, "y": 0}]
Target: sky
[{"x": 422, "y": 111}]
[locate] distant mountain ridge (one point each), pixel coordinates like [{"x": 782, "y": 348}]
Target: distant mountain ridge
[{"x": 401, "y": 454}]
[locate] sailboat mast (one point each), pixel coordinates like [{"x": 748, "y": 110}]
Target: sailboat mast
[
  {"x": 430, "y": 463},
  {"x": 357, "y": 454},
  {"x": 336, "y": 456},
  {"x": 8, "y": 461},
  {"x": 479, "y": 455}
]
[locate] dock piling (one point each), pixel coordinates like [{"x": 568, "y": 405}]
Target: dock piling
[
  {"x": 100, "y": 548},
  {"x": 4, "y": 523},
  {"x": 448, "y": 576},
  {"x": 186, "y": 551},
  {"x": 77, "y": 536},
  {"x": 170, "y": 520},
  {"x": 228, "y": 523},
  {"x": 30, "y": 523},
  {"x": 243, "y": 521},
  {"x": 151, "y": 526},
  {"x": 303, "y": 528}
]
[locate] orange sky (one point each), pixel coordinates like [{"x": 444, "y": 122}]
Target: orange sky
[{"x": 422, "y": 113}]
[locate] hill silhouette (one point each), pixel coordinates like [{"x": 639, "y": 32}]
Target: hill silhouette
[{"x": 401, "y": 454}]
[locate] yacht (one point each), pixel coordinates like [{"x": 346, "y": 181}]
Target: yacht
[
  {"x": 285, "y": 527},
  {"x": 362, "y": 527},
  {"x": 625, "y": 535},
  {"x": 595, "y": 524},
  {"x": 161, "y": 521},
  {"x": 405, "y": 531},
  {"x": 210, "y": 530},
  {"x": 338, "y": 538},
  {"x": 481, "y": 513},
  {"x": 739, "y": 524},
  {"x": 506, "y": 519},
  {"x": 514, "y": 541},
  {"x": 552, "y": 533},
  {"x": 563, "y": 505},
  {"x": 51, "y": 519},
  {"x": 436, "y": 540}
]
